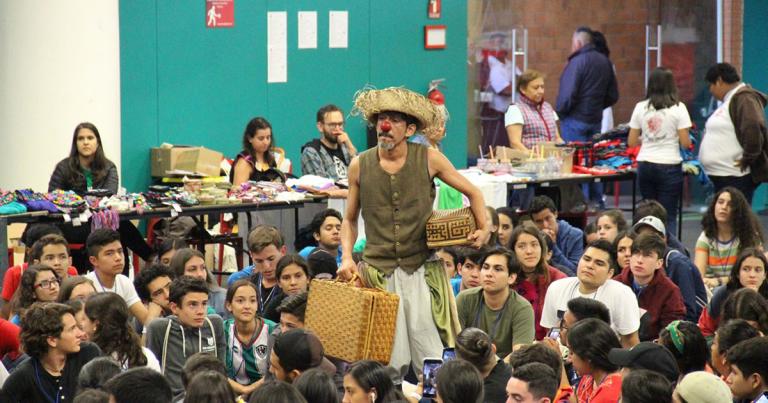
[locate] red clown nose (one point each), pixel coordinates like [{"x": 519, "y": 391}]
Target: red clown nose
[{"x": 386, "y": 126}]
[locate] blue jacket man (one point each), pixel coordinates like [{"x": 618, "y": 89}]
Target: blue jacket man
[{"x": 568, "y": 241}]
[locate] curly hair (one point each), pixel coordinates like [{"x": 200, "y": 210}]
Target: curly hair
[
  {"x": 41, "y": 321},
  {"x": 114, "y": 333},
  {"x": 734, "y": 283},
  {"x": 541, "y": 270},
  {"x": 746, "y": 304},
  {"x": 26, "y": 291},
  {"x": 743, "y": 221},
  {"x": 148, "y": 275}
]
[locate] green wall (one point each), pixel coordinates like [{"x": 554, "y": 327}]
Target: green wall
[
  {"x": 754, "y": 65},
  {"x": 183, "y": 83}
]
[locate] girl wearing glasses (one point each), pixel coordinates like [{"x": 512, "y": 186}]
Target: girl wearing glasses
[{"x": 39, "y": 283}]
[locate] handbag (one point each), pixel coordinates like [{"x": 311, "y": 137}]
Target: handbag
[
  {"x": 450, "y": 227},
  {"x": 352, "y": 323}
]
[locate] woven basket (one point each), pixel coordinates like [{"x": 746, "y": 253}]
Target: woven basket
[
  {"x": 352, "y": 323},
  {"x": 450, "y": 227}
]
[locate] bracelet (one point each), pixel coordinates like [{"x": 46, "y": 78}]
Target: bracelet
[{"x": 415, "y": 395}]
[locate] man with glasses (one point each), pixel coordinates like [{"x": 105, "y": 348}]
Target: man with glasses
[{"x": 330, "y": 155}]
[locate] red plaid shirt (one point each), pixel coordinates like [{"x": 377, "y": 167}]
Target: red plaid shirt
[{"x": 540, "y": 124}]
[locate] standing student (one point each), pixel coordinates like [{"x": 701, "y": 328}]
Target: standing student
[
  {"x": 188, "y": 331},
  {"x": 107, "y": 324},
  {"x": 51, "y": 338},
  {"x": 247, "y": 338},
  {"x": 494, "y": 307},
  {"x": 660, "y": 125},
  {"x": 87, "y": 168},
  {"x": 106, "y": 255}
]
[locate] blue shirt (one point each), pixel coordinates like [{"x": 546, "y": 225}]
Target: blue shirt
[
  {"x": 308, "y": 250},
  {"x": 244, "y": 274}
]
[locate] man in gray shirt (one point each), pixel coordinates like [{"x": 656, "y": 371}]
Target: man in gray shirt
[{"x": 188, "y": 331}]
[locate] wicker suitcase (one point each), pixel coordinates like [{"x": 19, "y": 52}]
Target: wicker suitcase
[
  {"x": 352, "y": 323},
  {"x": 450, "y": 227}
]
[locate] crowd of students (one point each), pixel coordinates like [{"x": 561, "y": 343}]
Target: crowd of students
[{"x": 630, "y": 319}]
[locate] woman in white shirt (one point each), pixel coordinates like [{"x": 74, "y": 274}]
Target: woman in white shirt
[{"x": 660, "y": 125}]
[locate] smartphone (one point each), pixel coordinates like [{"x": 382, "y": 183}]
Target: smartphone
[
  {"x": 554, "y": 333},
  {"x": 429, "y": 374},
  {"x": 449, "y": 353}
]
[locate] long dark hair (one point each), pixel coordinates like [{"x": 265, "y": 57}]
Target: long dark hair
[
  {"x": 180, "y": 260},
  {"x": 600, "y": 43},
  {"x": 259, "y": 123},
  {"x": 692, "y": 352},
  {"x": 733, "y": 280},
  {"x": 25, "y": 294},
  {"x": 746, "y": 304},
  {"x": 541, "y": 269},
  {"x": 743, "y": 221},
  {"x": 372, "y": 375},
  {"x": 98, "y": 165},
  {"x": 209, "y": 386},
  {"x": 459, "y": 382},
  {"x": 475, "y": 346},
  {"x": 662, "y": 91},
  {"x": 592, "y": 339},
  {"x": 114, "y": 334}
]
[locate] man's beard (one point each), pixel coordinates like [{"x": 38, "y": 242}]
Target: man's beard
[
  {"x": 385, "y": 145},
  {"x": 330, "y": 137}
]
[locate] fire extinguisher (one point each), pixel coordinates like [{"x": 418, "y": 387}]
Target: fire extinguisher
[
  {"x": 434, "y": 9},
  {"x": 434, "y": 94}
]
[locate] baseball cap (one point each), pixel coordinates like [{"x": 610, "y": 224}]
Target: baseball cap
[
  {"x": 300, "y": 349},
  {"x": 646, "y": 355},
  {"x": 703, "y": 387},
  {"x": 652, "y": 222}
]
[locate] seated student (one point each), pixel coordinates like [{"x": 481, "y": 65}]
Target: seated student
[
  {"x": 153, "y": 285},
  {"x": 266, "y": 246},
  {"x": 49, "y": 252},
  {"x": 167, "y": 249},
  {"x": 295, "y": 351},
  {"x": 330, "y": 155},
  {"x": 593, "y": 280},
  {"x": 493, "y": 218},
  {"x": 75, "y": 287},
  {"x": 568, "y": 240},
  {"x": 646, "y": 355},
  {"x": 494, "y": 307},
  {"x": 533, "y": 382},
  {"x": 644, "y": 386},
  {"x": 247, "y": 337},
  {"x": 687, "y": 345},
  {"x": 96, "y": 373},
  {"x": 191, "y": 262},
  {"x": 326, "y": 231},
  {"x": 292, "y": 277},
  {"x": 449, "y": 257},
  {"x": 531, "y": 251},
  {"x": 322, "y": 265},
  {"x": 316, "y": 386},
  {"x": 10, "y": 350},
  {"x": 679, "y": 269},
  {"x": 468, "y": 267},
  {"x": 106, "y": 255},
  {"x": 277, "y": 392},
  {"x": 508, "y": 220},
  {"x": 39, "y": 283},
  {"x": 590, "y": 233},
  {"x": 292, "y": 311},
  {"x": 475, "y": 346},
  {"x": 749, "y": 305},
  {"x": 728, "y": 335},
  {"x": 189, "y": 330},
  {"x": 610, "y": 223},
  {"x": 546, "y": 352},
  {"x": 50, "y": 336},
  {"x": 749, "y": 271},
  {"x": 209, "y": 386},
  {"x": 107, "y": 324},
  {"x": 702, "y": 387},
  {"x": 623, "y": 247},
  {"x": 139, "y": 385},
  {"x": 198, "y": 363},
  {"x": 458, "y": 381},
  {"x": 748, "y": 379},
  {"x": 369, "y": 381},
  {"x": 589, "y": 341},
  {"x": 258, "y": 161},
  {"x": 650, "y": 207},
  {"x": 656, "y": 293}
]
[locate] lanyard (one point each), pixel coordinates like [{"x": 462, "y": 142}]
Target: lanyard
[
  {"x": 42, "y": 389},
  {"x": 496, "y": 321},
  {"x": 263, "y": 302}
]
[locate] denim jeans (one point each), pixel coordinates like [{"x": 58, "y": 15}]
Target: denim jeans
[
  {"x": 574, "y": 130},
  {"x": 663, "y": 183},
  {"x": 743, "y": 183}
]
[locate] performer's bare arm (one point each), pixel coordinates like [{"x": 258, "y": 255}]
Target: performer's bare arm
[
  {"x": 440, "y": 167},
  {"x": 349, "y": 224}
]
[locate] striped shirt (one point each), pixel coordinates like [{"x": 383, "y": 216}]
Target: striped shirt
[
  {"x": 721, "y": 256},
  {"x": 249, "y": 362}
]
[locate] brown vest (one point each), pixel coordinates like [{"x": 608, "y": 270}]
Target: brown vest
[{"x": 395, "y": 210}]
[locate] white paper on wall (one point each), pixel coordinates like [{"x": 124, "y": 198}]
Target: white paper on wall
[
  {"x": 338, "y": 29},
  {"x": 277, "y": 47},
  {"x": 307, "y": 29}
]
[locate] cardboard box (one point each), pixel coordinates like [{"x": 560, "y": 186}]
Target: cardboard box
[{"x": 198, "y": 160}]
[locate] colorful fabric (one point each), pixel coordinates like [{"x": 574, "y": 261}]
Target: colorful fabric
[
  {"x": 721, "y": 256},
  {"x": 608, "y": 391}
]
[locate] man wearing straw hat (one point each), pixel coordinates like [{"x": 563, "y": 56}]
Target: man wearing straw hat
[{"x": 392, "y": 185}]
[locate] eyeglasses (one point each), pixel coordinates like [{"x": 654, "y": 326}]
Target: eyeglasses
[
  {"x": 47, "y": 284},
  {"x": 334, "y": 125}
]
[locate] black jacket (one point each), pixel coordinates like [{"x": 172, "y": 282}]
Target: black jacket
[{"x": 60, "y": 179}]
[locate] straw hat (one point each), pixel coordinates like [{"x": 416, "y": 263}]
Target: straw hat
[{"x": 370, "y": 102}]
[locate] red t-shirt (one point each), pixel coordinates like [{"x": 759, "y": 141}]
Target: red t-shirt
[
  {"x": 608, "y": 391},
  {"x": 9, "y": 339},
  {"x": 13, "y": 278}
]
